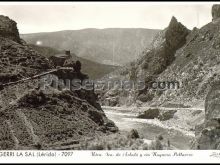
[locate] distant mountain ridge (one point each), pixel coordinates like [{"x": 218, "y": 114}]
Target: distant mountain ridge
[{"x": 113, "y": 46}]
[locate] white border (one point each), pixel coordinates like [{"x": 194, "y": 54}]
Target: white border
[
  {"x": 104, "y": 3},
  {"x": 202, "y": 156}
]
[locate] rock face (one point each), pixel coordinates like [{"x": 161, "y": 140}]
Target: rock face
[
  {"x": 215, "y": 12},
  {"x": 209, "y": 137},
  {"x": 8, "y": 29}
]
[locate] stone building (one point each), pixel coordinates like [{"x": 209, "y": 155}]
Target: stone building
[{"x": 59, "y": 59}]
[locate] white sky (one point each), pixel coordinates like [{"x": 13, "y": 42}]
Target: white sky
[{"x": 45, "y": 17}]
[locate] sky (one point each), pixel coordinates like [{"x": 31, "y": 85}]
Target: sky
[{"x": 35, "y": 17}]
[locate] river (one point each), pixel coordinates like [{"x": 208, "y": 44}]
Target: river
[{"x": 126, "y": 120}]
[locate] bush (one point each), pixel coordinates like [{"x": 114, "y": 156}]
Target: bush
[
  {"x": 156, "y": 145},
  {"x": 133, "y": 134}
]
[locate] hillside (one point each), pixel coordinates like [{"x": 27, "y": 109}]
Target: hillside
[
  {"x": 112, "y": 46},
  {"x": 17, "y": 59},
  {"x": 93, "y": 69},
  {"x": 34, "y": 117}
]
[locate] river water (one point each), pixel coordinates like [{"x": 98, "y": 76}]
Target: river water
[{"x": 126, "y": 121}]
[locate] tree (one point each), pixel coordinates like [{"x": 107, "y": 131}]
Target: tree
[{"x": 77, "y": 66}]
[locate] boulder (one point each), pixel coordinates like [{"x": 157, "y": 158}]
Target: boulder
[{"x": 150, "y": 114}]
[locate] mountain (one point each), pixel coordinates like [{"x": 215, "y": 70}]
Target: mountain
[
  {"x": 113, "y": 46},
  {"x": 34, "y": 117},
  {"x": 94, "y": 70},
  {"x": 190, "y": 58},
  {"x": 152, "y": 62}
]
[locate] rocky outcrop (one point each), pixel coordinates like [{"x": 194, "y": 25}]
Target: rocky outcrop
[
  {"x": 163, "y": 50},
  {"x": 215, "y": 12},
  {"x": 209, "y": 136},
  {"x": 175, "y": 34},
  {"x": 161, "y": 56},
  {"x": 8, "y": 29}
]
